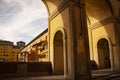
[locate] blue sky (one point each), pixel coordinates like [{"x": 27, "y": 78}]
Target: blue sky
[{"x": 22, "y": 20}]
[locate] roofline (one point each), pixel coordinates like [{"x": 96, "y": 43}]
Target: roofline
[
  {"x": 6, "y": 41},
  {"x": 46, "y": 30}
]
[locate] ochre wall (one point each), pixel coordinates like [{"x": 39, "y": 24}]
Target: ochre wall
[
  {"x": 55, "y": 25},
  {"x": 106, "y": 31}
]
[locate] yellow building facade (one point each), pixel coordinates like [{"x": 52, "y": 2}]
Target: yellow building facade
[
  {"x": 8, "y": 52},
  {"x": 37, "y": 49}
]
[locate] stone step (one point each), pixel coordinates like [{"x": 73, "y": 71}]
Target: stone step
[
  {"x": 106, "y": 73},
  {"x": 108, "y": 77}
]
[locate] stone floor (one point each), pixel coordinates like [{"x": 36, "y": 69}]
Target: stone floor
[
  {"x": 110, "y": 77},
  {"x": 60, "y": 77},
  {"x": 96, "y": 75}
]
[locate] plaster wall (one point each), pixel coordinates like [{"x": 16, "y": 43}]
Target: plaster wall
[{"x": 107, "y": 32}]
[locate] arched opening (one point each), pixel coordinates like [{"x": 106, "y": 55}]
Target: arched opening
[
  {"x": 98, "y": 17},
  {"x": 58, "y": 53},
  {"x": 103, "y": 54}
]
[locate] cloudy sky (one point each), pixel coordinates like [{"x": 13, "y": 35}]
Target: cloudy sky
[{"x": 22, "y": 20}]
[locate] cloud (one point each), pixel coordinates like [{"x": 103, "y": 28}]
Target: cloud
[
  {"x": 22, "y": 19},
  {"x": 35, "y": 27},
  {"x": 7, "y": 11}
]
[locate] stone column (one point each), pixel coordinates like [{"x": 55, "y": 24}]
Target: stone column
[
  {"x": 80, "y": 41},
  {"x": 117, "y": 36}
]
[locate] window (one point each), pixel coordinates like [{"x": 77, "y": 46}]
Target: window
[
  {"x": 45, "y": 37},
  {"x": 41, "y": 49},
  {"x": 46, "y": 47},
  {"x": 42, "y": 56},
  {"x": 5, "y": 47},
  {"x": 3, "y": 51}
]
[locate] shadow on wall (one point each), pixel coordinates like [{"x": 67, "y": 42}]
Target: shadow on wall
[{"x": 93, "y": 64}]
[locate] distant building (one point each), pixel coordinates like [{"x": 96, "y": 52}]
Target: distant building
[
  {"x": 37, "y": 49},
  {"x": 21, "y": 44},
  {"x": 16, "y": 51},
  {"x": 8, "y": 51}
]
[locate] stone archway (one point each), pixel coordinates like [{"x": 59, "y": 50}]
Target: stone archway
[
  {"x": 58, "y": 53},
  {"x": 103, "y": 54},
  {"x": 70, "y": 15}
]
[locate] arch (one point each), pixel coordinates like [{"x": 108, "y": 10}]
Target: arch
[
  {"x": 62, "y": 30},
  {"x": 60, "y": 54},
  {"x": 104, "y": 53},
  {"x": 105, "y": 37},
  {"x": 110, "y": 49},
  {"x": 95, "y": 11},
  {"x": 110, "y": 7},
  {"x": 88, "y": 21},
  {"x": 46, "y": 6}
]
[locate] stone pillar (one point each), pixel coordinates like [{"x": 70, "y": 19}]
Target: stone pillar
[
  {"x": 80, "y": 41},
  {"x": 117, "y": 36}
]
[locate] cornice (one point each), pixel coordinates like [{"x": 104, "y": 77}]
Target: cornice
[
  {"x": 58, "y": 10},
  {"x": 62, "y": 7},
  {"x": 103, "y": 22}
]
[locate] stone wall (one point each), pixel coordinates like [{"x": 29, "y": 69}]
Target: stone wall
[{"x": 25, "y": 68}]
